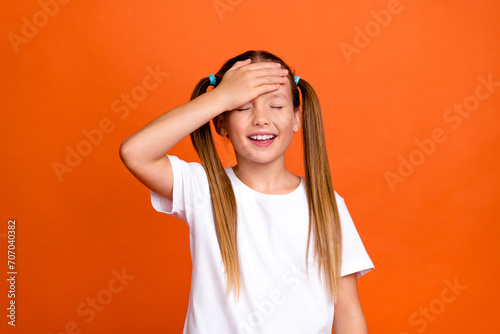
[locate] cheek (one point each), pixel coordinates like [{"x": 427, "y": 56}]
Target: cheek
[
  {"x": 234, "y": 125},
  {"x": 287, "y": 121}
]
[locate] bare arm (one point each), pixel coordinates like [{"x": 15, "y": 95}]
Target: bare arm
[
  {"x": 348, "y": 316},
  {"x": 143, "y": 153}
]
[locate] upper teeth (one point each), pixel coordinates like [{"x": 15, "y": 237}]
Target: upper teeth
[{"x": 262, "y": 137}]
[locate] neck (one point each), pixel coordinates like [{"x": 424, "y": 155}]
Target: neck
[{"x": 271, "y": 178}]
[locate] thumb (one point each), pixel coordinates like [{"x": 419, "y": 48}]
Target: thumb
[{"x": 240, "y": 63}]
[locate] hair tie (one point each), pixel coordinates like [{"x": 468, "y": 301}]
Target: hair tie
[
  {"x": 212, "y": 79},
  {"x": 296, "y": 79}
]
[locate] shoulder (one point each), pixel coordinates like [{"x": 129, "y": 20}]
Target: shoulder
[
  {"x": 346, "y": 220},
  {"x": 338, "y": 198},
  {"x": 175, "y": 160},
  {"x": 189, "y": 177},
  {"x": 183, "y": 168}
]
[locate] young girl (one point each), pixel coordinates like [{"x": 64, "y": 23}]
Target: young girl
[{"x": 272, "y": 252}]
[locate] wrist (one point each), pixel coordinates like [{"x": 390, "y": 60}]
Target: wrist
[{"x": 218, "y": 100}]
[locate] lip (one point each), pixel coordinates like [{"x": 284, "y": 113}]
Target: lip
[
  {"x": 262, "y": 143},
  {"x": 261, "y": 133}
]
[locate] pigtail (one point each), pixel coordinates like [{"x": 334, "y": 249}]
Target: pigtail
[
  {"x": 324, "y": 217},
  {"x": 223, "y": 199}
]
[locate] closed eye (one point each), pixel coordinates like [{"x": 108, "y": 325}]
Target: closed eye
[
  {"x": 241, "y": 109},
  {"x": 277, "y": 107}
]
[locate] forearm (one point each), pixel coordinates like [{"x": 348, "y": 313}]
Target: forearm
[
  {"x": 157, "y": 137},
  {"x": 348, "y": 314},
  {"x": 350, "y": 323}
]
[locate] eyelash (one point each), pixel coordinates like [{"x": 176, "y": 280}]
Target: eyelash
[{"x": 274, "y": 107}]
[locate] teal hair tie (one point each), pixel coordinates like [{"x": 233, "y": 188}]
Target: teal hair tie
[
  {"x": 212, "y": 79},
  {"x": 296, "y": 79}
]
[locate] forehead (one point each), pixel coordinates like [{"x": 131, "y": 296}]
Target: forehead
[
  {"x": 275, "y": 95},
  {"x": 284, "y": 92}
]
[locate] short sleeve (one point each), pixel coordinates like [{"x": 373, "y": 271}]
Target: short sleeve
[
  {"x": 190, "y": 191},
  {"x": 355, "y": 259}
]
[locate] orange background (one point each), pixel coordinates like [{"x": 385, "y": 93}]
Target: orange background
[{"x": 437, "y": 226}]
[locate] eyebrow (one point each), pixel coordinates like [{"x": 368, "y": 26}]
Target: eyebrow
[{"x": 277, "y": 95}]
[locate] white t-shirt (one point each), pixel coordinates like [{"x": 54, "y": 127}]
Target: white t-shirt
[{"x": 276, "y": 294}]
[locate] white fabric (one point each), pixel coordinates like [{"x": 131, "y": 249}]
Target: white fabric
[{"x": 277, "y": 295}]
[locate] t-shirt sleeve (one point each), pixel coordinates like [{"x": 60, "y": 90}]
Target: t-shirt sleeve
[
  {"x": 355, "y": 259},
  {"x": 190, "y": 191}
]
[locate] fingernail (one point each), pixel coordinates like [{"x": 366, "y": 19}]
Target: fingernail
[
  {"x": 278, "y": 65},
  {"x": 285, "y": 71}
]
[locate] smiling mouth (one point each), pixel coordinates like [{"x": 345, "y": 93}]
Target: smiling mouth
[{"x": 262, "y": 137}]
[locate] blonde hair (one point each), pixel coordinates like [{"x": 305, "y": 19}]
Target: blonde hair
[{"x": 324, "y": 221}]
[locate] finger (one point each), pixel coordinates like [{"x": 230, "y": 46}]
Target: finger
[
  {"x": 240, "y": 63},
  {"x": 270, "y": 80},
  {"x": 264, "y": 64},
  {"x": 274, "y": 72},
  {"x": 263, "y": 89},
  {"x": 254, "y": 66},
  {"x": 269, "y": 77}
]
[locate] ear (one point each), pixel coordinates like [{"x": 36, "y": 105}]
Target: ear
[
  {"x": 219, "y": 125},
  {"x": 297, "y": 120}
]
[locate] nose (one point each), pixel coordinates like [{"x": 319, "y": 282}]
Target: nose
[{"x": 260, "y": 116}]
